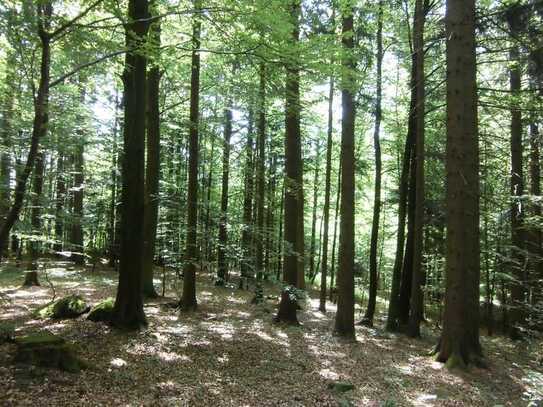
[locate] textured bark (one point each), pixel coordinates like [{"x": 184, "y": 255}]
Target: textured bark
[
  {"x": 293, "y": 202},
  {"x": 128, "y": 309},
  {"x": 536, "y": 266},
  {"x": 416, "y": 301},
  {"x": 188, "y": 300},
  {"x": 459, "y": 343},
  {"x": 344, "y": 324},
  {"x": 113, "y": 219},
  {"x": 370, "y": 310},
  {"x": 334, "y": 239},
  {"x": 261, "y": 195},
  {"x": 222, "y": 261},
  {"x": 326, "y": 209},
  {"x": 152, "y": 170},
  {"x": 293, "y": 164},
  {"x": 35, "y": 212}
]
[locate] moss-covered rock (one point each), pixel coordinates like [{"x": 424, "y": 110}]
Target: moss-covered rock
[
  {"x": 45, "y": 349},
  {"x": 102, "y": 312},
  {"x": 64, "y": 308}
]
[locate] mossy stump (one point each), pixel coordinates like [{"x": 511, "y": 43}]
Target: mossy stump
[
  {"x": 102, "y": 312},
  {"x": 288, "y": 307},
  {"x": 68, "y": 307},
  {"x": 45, "y": 349}
]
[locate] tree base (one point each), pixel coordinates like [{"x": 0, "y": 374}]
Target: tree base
[
  {"x": 31, "y": 279},
  {"x": 288, "y": 308}
]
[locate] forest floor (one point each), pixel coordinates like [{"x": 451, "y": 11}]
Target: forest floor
[{"x": 230, "y": 353}]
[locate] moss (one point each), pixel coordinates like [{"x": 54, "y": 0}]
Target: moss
[
  {"x": 47, "y": 350},
  {"x": 64, "y": 308},
  {"x": 103, "y": 311},
  {"x": 341, "y": 387}
]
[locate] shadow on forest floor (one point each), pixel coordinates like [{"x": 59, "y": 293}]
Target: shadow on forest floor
[{"x": 229, "y": 353}]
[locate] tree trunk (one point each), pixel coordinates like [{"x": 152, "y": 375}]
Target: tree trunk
[
  {"x": 344, "y": 325},
  {"x": 222, "y": 261},
  {"x": 113, "y": 209},
  {"x": 334, "y": 240},
  {"x": 370, "y": 310},
  {"x": 416, "y": 301},
  {"x": 188, "y": 300},
  {"x": 128, "y": 309},
  {"x": 152, "y": 170},
  {"x": 312, "y": 272},
  {"x": 77, "y": 202},
  {"x": 293, "y": 201},
  {"x": 327, "y": 182},
  {"x": 260, "y": 195},
  {"x": 459, "y": 343},
  {"x": 246, "y": 234},
  {"x": 59, "y": 206}
]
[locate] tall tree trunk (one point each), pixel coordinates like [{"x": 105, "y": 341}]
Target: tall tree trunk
[
  {"x": 246, "y": 234},
  {"x": 327, "y": 182},
  {"x": 312, "y": 247},
  {"x": 39, "y": 126},
  {"x": 222, "y": 261},
  {"x": 113, "y": 220},
  {"x": 518, "y": 292},
  {"x": 416, "y": 301},
  {"x": 76, "y": 239},
  {"x": 59, "y": 206},
  {"x": 270, "y": 213},
  {"x": 370, "y": 310},
  {"x": 128, "y": 310},
  {"x": 334, "y": 239},
  {"x": 261, "y": 195},
  {"x": 344, "y": 325},
  {"x": 535, "y": 231},
  {"x": 188, "y": 300},
  {"x": 293, "y": 201},
  {"x": 459, "y": 343},
  {"x": 407, "y": 268},
  {"x": 35, "y": 216},
  {"x": 152, "y": 170}
]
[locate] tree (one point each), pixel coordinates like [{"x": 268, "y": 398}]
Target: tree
[
  {"x": 459, "y": 343},
  {"x": 293, "y": 201},
  {"x": 261, "y": 190},
  {"x": 128, "y": 309},
  {"x": 152, "y": 169},
  {"x": 188, "y": 300},
  {"x": 222, "y": 261},
  {"x": 344, "y": 325},
  {"x": 370, "y": 310}
]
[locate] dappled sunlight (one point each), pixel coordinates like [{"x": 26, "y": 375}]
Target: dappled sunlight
[{"x": 118, "y": 362}]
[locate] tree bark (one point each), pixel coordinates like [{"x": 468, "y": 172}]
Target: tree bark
[
  {"x": 222, "y": 261},
  {"x": 416, "y": 301},
  {"x": 152, "y": 170},
  {"x": 128, "y": 309},
  {"x": 188, "y": 300},
  {"x": 344, "y": 324},
  {"x": 246, "y": 234},
  {"x": 459, "y": 343},
  {"x": 261, "y": 195}
]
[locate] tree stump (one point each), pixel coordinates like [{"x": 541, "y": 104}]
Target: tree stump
[
  {"x": 31, "y": 279},
  {"x": 47, "y": 350}
]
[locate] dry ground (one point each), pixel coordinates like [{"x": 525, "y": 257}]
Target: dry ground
[{"x": 230, "y": 353}]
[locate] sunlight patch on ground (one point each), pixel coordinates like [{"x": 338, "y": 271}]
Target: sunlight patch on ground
[
  {"x": 226, "y": 331},
  {"x": 425, "y": 400},
  {"x": 118, "y": 362},
  {"x": 329, "y": 374}
]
